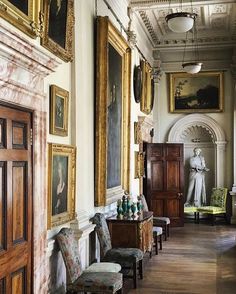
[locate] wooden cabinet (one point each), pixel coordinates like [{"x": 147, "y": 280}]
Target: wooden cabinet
[{"x": 133, "y": 232}]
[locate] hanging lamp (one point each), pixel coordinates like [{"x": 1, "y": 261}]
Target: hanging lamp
[
  {"x": 181, "y": 22},
  {"x": 193, "y": 66}
]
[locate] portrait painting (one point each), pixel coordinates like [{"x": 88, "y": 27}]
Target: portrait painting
[
  {"x": 23, "y": 14},
  {"x": 114, "y": 118},
  {"x": 58, "y": 111},
  {"x": 113, "y": 78},
  {"x": 61, "y": 200},
  {"x": 202, "y": 92},
  {"x": 59, "y": 23}
]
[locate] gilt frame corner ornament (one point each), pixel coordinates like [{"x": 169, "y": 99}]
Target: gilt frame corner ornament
[
  {"x": 113, "y": 61},
  {"x": 199, "y": 93},
  {"x": 58, "y": 30},
  {"x": 24, "y": 15},
  {"x": 61, "y": 184}
]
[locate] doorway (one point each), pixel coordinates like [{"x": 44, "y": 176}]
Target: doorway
[{"x": 15, "y": 201}]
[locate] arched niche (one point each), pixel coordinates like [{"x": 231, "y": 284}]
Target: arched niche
[{"x": 207, "y": 127}]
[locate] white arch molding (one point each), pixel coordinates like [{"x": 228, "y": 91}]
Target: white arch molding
[{"x": 178, "y": 132}]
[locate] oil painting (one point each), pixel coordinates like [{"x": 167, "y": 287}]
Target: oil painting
[{"x": 202, "y": 92}]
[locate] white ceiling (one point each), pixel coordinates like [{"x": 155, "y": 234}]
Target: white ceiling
[{"x": 216, "y": 22}]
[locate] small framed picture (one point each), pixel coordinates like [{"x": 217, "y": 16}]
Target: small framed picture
[
  {"x": 61, "y": 175},
  {"x": 58, "y": 111},
  {"x": 201, "y": 92},
  {"x": 59, "y": 24}
]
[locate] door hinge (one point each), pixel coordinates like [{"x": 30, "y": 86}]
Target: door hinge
[{"x": 31, "y": 137}]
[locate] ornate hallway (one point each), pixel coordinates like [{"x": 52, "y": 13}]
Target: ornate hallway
[{"x": 197, "y": 259}]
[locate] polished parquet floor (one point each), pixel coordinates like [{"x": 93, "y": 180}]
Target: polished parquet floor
[{"x": 196, "y": 259}]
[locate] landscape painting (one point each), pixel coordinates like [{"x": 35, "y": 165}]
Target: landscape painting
[{"x": 202, "y": 92}]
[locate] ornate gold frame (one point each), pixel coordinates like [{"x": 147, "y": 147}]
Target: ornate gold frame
[
  {"x": 70, "y": 152},
  {"x": 54, "y": 92},
  {"x": 139, "y": 164},
  {"x": 66, "y": 53},
  {"x": 202, "y": 75},
  {"x": 108, "y": 34},
  {"x": 146, "y": 98},
  {"x": 28, "y": 24}
]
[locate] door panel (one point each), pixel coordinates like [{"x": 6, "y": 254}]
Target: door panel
[
  {"x": 157, "y": 175},
  {"x": 15, "y": 201},
  {"x": 164, "y": 182}
]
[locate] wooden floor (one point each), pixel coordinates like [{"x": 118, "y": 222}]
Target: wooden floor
[{"x": 196, "y": 259}]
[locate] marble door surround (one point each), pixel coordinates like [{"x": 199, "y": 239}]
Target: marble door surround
[{"x": 23, "y": 67}]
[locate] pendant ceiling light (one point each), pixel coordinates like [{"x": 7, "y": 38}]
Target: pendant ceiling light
[
  {"x": 181, "y": 22},
  {"x": 193, "y": 66}
]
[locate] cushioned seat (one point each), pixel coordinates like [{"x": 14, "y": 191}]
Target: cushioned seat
[
  {"x": 194, "y": 210},
  {"x": 79, "y": 281},
  {"x": 92, "y": 282},
  {"x": 123, "y": 255},
  {"x": 126, "y": 257},
  {"x": 157, "y": 231},
  {"x": 163, "y": 219},
  {"x": 103, "y": 267},
  {"x": 217, "y": 205}
]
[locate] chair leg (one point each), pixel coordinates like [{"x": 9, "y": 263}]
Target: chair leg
[
  {"x": 135, "y": 274},
  {"x": 195, "y": 217},
  {"x": 156, "y": 244},
  {"x": 168, "y": 230},
  {"x": 198, "y": 218},
  {"x": 213, "y": 220},
  {"x": 225, "y": 216},
  {"x": 160, "y": 242},
  {"x": 165, "y": 232},
  {"x": 140, "y": 267}
]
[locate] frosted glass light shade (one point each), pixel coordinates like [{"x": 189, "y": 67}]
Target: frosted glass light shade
[
  {"x": 180, "y": 22},
  {"x": 192, "y": 67}
]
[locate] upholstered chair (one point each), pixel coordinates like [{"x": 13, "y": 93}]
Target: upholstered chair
[
  {"x": 98, "y": 279},
  {"x": 217, "y": 205},
  {"x": 158, "y": 221},
  {"x": 131, "y": 258}
]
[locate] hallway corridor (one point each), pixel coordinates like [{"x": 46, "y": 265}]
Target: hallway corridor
[{"x": 197, "y": 259}]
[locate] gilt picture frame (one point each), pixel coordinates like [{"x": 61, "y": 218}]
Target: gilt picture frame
[
  {"x": 147, "y": 97},
  {"x": 113, "y": 78},
  {"x": 58, "y": 111},
  {"x": 201, "y": 92},
  {"x": 24, "y": 15},
  {"x": 58, "y": 30},
  {"x": 61, "y": 184}
]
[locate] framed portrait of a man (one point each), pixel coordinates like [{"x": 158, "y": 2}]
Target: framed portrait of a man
[
  {"x": 23, "y": 14},
  {"x": 59, "y": 23},
  {"x": 112, "y": 113},
  {"x": 58, "y": 111},
  {"x": 61, "y": 194}
]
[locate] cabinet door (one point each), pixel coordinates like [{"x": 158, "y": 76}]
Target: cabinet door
[{"x": 163, "y": 186}]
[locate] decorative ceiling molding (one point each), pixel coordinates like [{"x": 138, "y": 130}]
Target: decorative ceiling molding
[{"x": 216, "y": 22}]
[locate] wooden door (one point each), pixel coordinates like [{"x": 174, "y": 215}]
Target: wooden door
[
  {"x": 164, "y": 182},
  {"x": 15, "y": 201}
]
